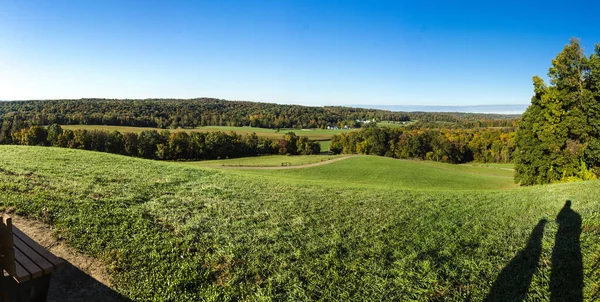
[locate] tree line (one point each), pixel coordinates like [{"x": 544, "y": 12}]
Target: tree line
[
  {"x": 164, "y": 145},
  {"x": 173, "y": 113},
  {"x": 445, "y": 145}
]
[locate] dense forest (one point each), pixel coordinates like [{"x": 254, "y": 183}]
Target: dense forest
[
  {"x": 447, "y": 145},
  {"x": 171, "y": 113},
  {"x": 166, "y": 145},
  {"x": 558, "y": 138}
]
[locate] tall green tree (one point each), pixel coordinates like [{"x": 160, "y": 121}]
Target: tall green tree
[
  {"x": 556, "y": 139},
  {"x": 54, "y": 131}
]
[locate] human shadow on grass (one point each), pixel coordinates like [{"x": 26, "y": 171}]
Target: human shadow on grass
[
  {"x": 566, "y": 278},
  {"x": 513, "y": 282}
]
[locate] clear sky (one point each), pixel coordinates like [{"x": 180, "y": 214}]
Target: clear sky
[{"x": 301, "y": 52}]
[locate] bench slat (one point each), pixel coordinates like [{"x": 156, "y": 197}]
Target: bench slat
[
  {"x": 38, "y": 259},
  {"x": 21, "y": 274},
  {"x": 33, "y": 269},
  {"x": 57, "y": 262}
]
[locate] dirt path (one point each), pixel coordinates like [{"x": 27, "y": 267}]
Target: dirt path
[
  {"x": 285, "y": 167},
  {"x": 82, "y": 278},
  {"x": 490, "y": 167}
]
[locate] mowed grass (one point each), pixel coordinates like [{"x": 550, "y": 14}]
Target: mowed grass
[
  {"x": 168, "y": 231},
  {"x": 312, "y": 134},
  {"x": 386, "y": 173},
  {"x": 265, "y": 161}
]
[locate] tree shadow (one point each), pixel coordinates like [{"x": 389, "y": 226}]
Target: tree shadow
[
  {"x": 513, "y": 282},
  {"x": 566, "y": 278},
  {"x": 69, "y": 283}
]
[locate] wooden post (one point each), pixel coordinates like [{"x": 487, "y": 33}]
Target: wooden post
[{"x": 7, "y": 250}]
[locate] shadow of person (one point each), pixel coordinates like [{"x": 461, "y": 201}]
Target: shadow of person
[
  {"x": 566, "y": 278},
  {"x": 513, "y": 282}
]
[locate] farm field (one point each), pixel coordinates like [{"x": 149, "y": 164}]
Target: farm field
[
  {"x": 363, "y": 228},
  {"x": 394, "y": 124},
  {"x": 312, "y": 134}
]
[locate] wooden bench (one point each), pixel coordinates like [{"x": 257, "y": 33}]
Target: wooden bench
[{"x": 26, "y": 265}]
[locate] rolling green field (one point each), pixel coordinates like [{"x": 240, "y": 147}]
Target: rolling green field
[
  {"x": 363, "y": 228},
  {"x": 264, "y": 161},
  {"x": 312, "y": 134},
  {"x": 375, "y": 172}
]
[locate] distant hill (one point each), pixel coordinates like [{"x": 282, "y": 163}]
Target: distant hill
[
  {"x": 192, "y": 113},
  {"x": 512, "y": 109}
]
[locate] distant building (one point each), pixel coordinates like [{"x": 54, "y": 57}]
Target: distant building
[{"x": 366, "y": 121}]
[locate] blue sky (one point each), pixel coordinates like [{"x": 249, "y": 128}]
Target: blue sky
[{"x": 300, "y": 52}]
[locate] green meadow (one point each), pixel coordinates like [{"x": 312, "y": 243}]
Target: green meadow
[
  {"x": 373, "y": 172},
  {"x": 362, "y": 228}
]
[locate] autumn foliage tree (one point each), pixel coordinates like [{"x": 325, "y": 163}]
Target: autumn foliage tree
[
  {"x": 166, "y": 145},
  {"x": 558, "y": 138}
]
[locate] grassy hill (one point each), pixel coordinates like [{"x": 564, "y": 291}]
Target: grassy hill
[{"x": 364, "y": 228}]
